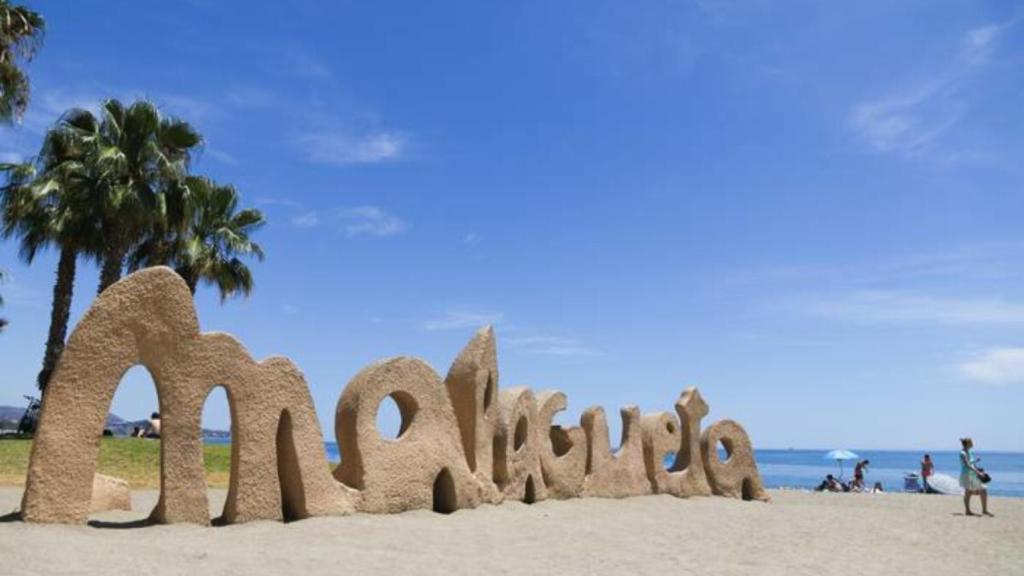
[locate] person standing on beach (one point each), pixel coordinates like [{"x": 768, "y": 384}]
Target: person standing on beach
[
  {"x": 858, "y": 475},
  {"x": 927, "y": 469},
  {"x": 970, "y": 480}
]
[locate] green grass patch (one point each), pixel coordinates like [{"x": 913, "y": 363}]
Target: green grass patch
[{"x": 136, "y": 460}]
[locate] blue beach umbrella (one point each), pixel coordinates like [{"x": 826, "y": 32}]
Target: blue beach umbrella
[{"x": 840, "y": 455}]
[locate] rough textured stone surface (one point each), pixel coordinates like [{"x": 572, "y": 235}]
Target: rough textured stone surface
[
  {"x": 462, "y": 441},
  {"x": 425, "y": 466},
  {"x": 517, "y": 447},
  {"x": 109, "y": 493},
  {"x": 737, "y": 476},
  {"x": 563, "y": 454},
  {"x": 278, "y": 464},
  {"x": 620, "y": 474},
  {"x": 661, "y": 437},
  {"x": 685, "y": 477},
  {"x": 472, "y": 385}
]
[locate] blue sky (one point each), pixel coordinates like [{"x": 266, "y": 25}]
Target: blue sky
[{"x": 810, "y": 210}]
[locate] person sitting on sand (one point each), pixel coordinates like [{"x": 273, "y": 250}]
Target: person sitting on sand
[
  {"x": 877, "y": 488},
  {"x": 153, "y": 427},
  {"x": 831, "y": 484},
  {"x": 927, "y": 469},
  {"x": 969, "y": 479}
]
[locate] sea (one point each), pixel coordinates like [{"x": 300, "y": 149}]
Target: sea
[{"x": 805, "y": 469}]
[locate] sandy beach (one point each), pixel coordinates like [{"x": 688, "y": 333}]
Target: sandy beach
[{"x": 798, "y": 533}]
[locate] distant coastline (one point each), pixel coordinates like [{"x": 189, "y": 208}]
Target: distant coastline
[
  {"x": 118, "y": 426},
  {"x": 803, "y": 469}
]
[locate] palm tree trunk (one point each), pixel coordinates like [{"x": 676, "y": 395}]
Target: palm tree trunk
[
  {"x": 193, "y": 281},
  {"x": 190, "y": 277},
  {"x": 60, "y": 311},
  {"x": 113, "y": 264}
]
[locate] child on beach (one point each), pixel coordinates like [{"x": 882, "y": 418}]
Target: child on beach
[{"x": 970, "y": 480}]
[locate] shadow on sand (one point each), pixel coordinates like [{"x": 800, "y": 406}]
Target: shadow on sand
[{"x": 113, "y": 525}]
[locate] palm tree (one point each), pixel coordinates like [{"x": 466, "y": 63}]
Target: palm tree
[
  {"x": 3, "y": 321},
  {"x": 211, "y": 244},
  {"x": 21, "y": 35},
  {"x": 139, "y": 159},
  {"x": 47, "y": 204}
]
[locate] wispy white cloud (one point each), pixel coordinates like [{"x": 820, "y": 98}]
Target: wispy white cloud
[
  {"x": 48, "y": 106},
  {"x": 19, "y": 295},
  {"x": 462, "y": 319},
  {"x": 522, "y": 341},
  {"x": 730, "y": 12},
  {"x": 341, "y": 149},
  {"x": 981, "y": 264},
  {"x": 304, "y": 65},
  {"x": 308, "y": 219},
  {"x": 908, "y": 307},
  {"x": 188, "y": 108},
  {"x": 551, "y": 346},
  {"x": 283, "y": 202},
  {"x": 300, "y": 216},
  {"x": 220, "y": 156},
  {"x": 995, "y": 366},
  {"x": 978, "y": 43},
  {"x": 353, "y": 220},
  {"x": 909, "y": 121},
  {"x": 289, "y": 309},
  {"x": 370, "y": 221},
  {"x": 250, "y": 98},
  {"x": 470, "y": 238}
]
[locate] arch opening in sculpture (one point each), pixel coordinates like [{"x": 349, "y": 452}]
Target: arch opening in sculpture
[
  {"x": 444, "y": 501},
  {"x": 748, "y": 491},
  {"x": 500, "y": 472},
  {"x": 681, "y": 461},
  {"x": 395, "y": 415},
  {"x": 521, "y": 433},
  {"x": 289, "y": 472},
  {"x": 135, "y": 398},
  {"x": 670, "y": 459},
  {"x": 724, "y": 446},
  {"x": 530, "y": 494},
  {"x": 489, "y": 392},
  {"x": 561, "y": 443},
  {"x": 624, "y": 437},
  {"x": 217, "y": 399}
]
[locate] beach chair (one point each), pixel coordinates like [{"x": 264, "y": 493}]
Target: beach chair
[{"x": 911, "y": 484}]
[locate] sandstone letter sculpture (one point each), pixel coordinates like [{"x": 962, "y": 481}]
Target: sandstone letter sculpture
[
  {"x": 462, "y": 441},
  {"x": 737, "y": 477},
  {"x": 517, "y": 447},
  {"x": 472, "y": 385},
  {"x": 425, "y": 466},
  {"x": 563, "y": 454},
  {"x": 619, "y": 474}
]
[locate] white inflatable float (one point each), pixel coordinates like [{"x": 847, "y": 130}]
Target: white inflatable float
[{"x": 945, "y": 484}]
